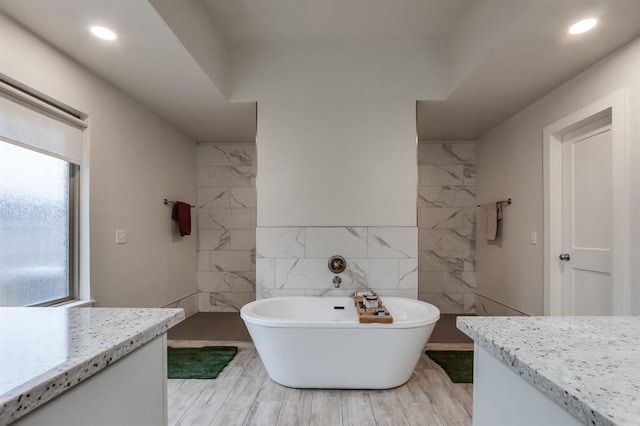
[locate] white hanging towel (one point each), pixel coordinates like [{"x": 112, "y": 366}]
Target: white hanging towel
[{"x": 489, "y": 215}]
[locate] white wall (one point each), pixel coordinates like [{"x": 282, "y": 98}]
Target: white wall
[
  {"x": 337, "y": 157},
  {"x": 336, "y": 128},
  {"x": 136, "y": 160},
  {"x": 336, "y": 163},
  {"x": 509, "y": 164}
]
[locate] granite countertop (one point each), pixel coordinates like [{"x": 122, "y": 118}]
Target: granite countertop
[
  {"x": 589, "y": 365},
  {"x": 45, "y": 351}
]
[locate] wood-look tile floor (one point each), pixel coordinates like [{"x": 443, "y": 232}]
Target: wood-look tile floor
[{"x": 243, "y": 394}]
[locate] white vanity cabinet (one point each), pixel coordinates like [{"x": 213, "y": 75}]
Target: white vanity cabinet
[
  {"x": 555, "y": 370},
  {"x": 84, "y": 366}
]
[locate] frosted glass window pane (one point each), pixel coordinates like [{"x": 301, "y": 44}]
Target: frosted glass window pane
[{"x": 34, "y": 227}]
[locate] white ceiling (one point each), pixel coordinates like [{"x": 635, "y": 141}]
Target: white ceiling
[
  {"x": 171, "y": 56},
  {"x": 301, "y": 21},
  {"x": 533, "y": 56},
  {"x": 147, "y": 61}
]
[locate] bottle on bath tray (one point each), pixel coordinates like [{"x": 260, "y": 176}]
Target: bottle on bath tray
[{"x": 370, "y": 300}]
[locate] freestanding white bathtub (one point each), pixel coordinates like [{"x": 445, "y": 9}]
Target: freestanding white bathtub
[{"x": 317, "y": 342}]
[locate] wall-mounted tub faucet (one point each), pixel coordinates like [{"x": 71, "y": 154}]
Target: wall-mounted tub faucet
[
  {"x": 336, "y": 281},
  {"x": 337, "y": 264}
]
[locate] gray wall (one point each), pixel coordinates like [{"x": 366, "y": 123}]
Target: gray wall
[
  {"x": 510, "y": 164},
  {"x": 135, "y": 161}
]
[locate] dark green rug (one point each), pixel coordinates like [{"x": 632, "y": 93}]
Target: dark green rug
[
  {"x": 457, "y": 364},
  {"x": 198, "y": 363}
]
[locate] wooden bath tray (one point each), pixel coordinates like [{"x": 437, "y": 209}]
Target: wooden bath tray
[{"x": 368, "y": 315}]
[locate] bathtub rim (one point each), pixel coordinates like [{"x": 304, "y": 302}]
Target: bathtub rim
[{"x": 248, "y": 315}]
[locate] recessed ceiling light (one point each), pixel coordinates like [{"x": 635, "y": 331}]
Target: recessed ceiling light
[
  {"x": 583, "y": 26},
  {"x": 103, "y": 33}
]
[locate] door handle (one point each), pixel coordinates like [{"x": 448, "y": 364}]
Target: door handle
[{"x": 565, "y": 257}]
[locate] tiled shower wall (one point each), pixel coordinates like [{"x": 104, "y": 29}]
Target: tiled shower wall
[
  {"x": 446, "y": 222},
  {"x": 226, "y": 210},
  {"x": 293, "y": 261}
]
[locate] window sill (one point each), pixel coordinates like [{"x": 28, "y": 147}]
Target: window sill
[{"x": 75, "y": 304}]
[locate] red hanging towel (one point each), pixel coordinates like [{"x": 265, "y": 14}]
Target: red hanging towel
[{"x": 182, "y": 214}]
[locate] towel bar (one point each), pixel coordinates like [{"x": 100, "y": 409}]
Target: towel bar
[
  {"x": 507, "y": 202},
  {"x": 169, "y": 202}
]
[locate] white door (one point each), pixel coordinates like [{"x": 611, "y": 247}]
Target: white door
[{"x": 587, "y": 220}]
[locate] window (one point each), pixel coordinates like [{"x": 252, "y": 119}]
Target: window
[
  {"x": 41, "y": 164},
  {"x": 37, "y": 224}
]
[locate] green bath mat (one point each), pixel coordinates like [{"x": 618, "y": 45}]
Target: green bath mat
[
  {"x": 198, "y": 363},
  {"x": 457, "y": 364}
]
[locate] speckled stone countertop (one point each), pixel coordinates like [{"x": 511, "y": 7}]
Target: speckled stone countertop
[
  {"x": 45, "y": 351},
  {"x": 589, "y": 365}
]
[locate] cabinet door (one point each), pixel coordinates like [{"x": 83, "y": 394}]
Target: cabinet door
[{"x": 131, "y": 391}]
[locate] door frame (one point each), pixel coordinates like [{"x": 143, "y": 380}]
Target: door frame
[{"x": 614, "y": 105}]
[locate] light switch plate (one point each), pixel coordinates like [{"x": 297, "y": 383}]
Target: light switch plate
[{"x": 121, "y": 236}]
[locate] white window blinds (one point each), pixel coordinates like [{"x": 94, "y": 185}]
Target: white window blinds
[{"x": 28, "y": 121}]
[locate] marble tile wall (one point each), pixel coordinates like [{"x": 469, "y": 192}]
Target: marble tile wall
[
  {"x": 293, "y": 261},
  {"x": 446, "y": 222},
  {"x": 226, "y": 211}
]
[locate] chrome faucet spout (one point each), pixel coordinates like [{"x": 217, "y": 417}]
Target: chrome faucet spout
[{"x": 336, "y": 281}]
